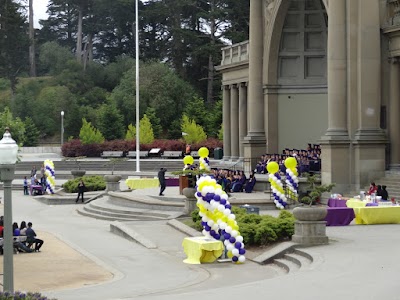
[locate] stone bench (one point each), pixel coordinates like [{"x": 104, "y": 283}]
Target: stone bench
[
  {"x": 142, "y": 154},
  {"x": 195, "y": 154},
  {"x": 172, "y": 154},
  {"x": 111, "y": 154}
]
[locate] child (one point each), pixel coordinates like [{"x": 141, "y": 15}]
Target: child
[{"x": 26, "y": 186}]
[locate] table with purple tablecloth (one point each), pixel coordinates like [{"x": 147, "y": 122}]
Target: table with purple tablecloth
[
  {"x": 334, "y": 202},
  {"x": 339, "y": 216},
  {"x": 172, "y": 181}
]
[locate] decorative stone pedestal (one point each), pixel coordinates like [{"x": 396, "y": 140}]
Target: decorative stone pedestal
[
  {"x": 190, "y": 201},
  {"x": 112, "y": 182},
  {"x": 78, "y": 173},
  {"x": 310, "y": 226}
]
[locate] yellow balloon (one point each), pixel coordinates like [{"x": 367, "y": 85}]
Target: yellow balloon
[
  {"x": 272, "y": 167},
  {"x": 290, "y": 163},
  {"x": 203, "y": 152},
  {"x": 188, "y": 160}
]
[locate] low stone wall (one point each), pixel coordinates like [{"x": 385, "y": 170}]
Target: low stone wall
[{"x": 48, "y": 149}]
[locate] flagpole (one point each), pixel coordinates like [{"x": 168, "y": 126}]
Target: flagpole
[{"x": 137, "y": 87}]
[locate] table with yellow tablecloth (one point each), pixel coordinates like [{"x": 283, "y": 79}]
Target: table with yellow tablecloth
[
  {"x": 142, "y": 183},
  {"x": 377, "y": 215},
  {"x": 355, "y": 203},
  {"x": 201, "y": 249}
]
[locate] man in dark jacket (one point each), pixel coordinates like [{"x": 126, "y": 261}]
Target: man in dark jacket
[{"x": 161, "y": 178}]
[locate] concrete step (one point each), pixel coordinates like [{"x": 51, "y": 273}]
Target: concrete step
[
  {"x": 288, "y": 265},
  {"x": 114, "y": 215},
  {"x": 83, "y": 212}
]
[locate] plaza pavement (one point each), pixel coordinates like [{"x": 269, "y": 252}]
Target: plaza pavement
[{"x": 360, "y": 262}]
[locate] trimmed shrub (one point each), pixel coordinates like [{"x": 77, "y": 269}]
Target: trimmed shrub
[{"x": 92, "y": 183}]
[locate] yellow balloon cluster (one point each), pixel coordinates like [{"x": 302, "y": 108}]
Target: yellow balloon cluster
[
  {"x": 291, "y": 177},
  {"x": 50, "y": 176},
  {"x": 217, "y": 218},
  {"x": 203, "y": 160},
  {"x": 276, "y": 185}
]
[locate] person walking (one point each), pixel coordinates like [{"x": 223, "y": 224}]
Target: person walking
[
  {"x": 81, "y": 190},
  {"x": 161, "y": 179}
]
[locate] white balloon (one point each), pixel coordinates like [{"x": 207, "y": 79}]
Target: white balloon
[
  {"x": 210, "y": 223},
  {"x": 204, "y": 232},
  {"x": 212, "y": 202},
  {"x": 222, "y": 225},
  {"x": 218, "y": 191},
  {"x": 231, "y": 217},
  {"x": 227, "y": 211},
  {"x": 221, "y": 208},
  {"x": 228, "y": 229},
  {"x": 242, "y": 258},
  {"x": 205, "y": 219},
  {"x": 239, "y": 239},
  {"x": 224, "y": 196},
  {"x": 219, "y": 222},
  {"x": 226, "y": 243},
  {"x": 235, "y": 252},
  {"x": 230, "y": 247},
  {"x": 234, "y": 233}
]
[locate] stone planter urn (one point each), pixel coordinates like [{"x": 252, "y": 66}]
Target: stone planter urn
[
  {"x": 112, "y": 182},
  {"x": 78, "y": 173},
  {"x": 190, "y": 201},
  {"x": 310, "y": 225}
]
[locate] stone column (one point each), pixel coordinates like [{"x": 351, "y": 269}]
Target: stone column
[
  {"x": 337, "y": 71},
  {"x": 369, "y": 139},
  {"x": 242, "y": 117},
  {"x": 335, "y": 143},
  {"x": 234, "y": 122},
  {"x": 226, "y": 122},
  {"x": 394, "y": 112},
  {"x": 255, "y": 142}
]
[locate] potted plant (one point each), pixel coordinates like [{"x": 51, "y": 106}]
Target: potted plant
[
  {"x": 112, "y": 181},
  {"x": 310, "y": 222},
  {"x": 78, "y": 172}
]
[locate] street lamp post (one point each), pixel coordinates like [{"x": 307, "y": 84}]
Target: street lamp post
[
  {"x": 8, "y": 158},
  {"x": 62, "y": 127}
]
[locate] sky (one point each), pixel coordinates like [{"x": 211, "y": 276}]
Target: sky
[{"x": 39, "y": 11}]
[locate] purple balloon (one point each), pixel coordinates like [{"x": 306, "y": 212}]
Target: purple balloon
[
  {"x": 217, "y": 198},
  {"x": 207, "y": 228},
  {"x": 238, "y": 245},
  {"x": 235, "y": 258},
  {"x": 212, "y": 232},
  {"x": 217, "y": 236},
  {"x": 227, "y": 236},
  {"x": 203, "y": 224},
  {"x": 232, "y": 239},
  {"x": 228, "y": 206},
  {"x": 198, "y": 194},
  {"x": 242, "y": 251},
  {"x": 223, "y": 201}
]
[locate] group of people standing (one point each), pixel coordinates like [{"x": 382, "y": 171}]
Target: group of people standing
[{"x": 378, "y": 190}]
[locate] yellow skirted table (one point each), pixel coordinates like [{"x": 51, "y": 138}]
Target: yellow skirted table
[
  {"x": 377, "y": 215},
  {"x": 354, "y": 203},
  {"x": 201, "y": 249},
  {"x": 142, "y": 183}
]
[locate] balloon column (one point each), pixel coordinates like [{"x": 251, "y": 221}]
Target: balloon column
[
  {"x": 204, "y": 162},
  {"x": 291, "y": 177},
  {"x": 276, "y": 185},
  {"x": 50, "y": 176},
  {"x": 217, "y": 218}
]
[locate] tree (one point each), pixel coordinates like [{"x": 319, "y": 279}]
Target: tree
[
  {"x": 32, "y": 53},
  {"x": 17, "y": 127},
  {"x": 32, "y": 133},
  {"x": 89, "y": 134},
  {"x": 110, "y": 122},
  {"x": 145, "y": 131},
  {"x": 155, "y": 121},
  {"x": 54, "y": 58},
  {"x": 13, "y": 42},
  {"x": 195, "y": 133}
]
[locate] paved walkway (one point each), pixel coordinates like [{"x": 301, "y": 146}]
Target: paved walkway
[{"x": 359, "y": 263}]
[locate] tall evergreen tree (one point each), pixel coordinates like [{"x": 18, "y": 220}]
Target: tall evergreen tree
[{"x": 13, "y": 42}]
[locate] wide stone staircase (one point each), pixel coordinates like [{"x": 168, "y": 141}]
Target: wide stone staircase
[{"x": 392, "y": 182}]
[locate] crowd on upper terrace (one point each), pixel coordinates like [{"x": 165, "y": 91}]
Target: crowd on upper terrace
[{"x": 308, "y": 160}]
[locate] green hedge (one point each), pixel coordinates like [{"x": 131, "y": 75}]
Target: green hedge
[
  {"x": 258, "y": 230},
  {"x": 92, "y": 183}
]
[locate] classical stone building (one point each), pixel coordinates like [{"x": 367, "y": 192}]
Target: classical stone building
[{"x": 317, "y": 71}]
